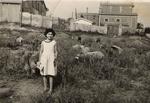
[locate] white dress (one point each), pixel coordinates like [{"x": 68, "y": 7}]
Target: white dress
[{"x": 47, "y": 58}]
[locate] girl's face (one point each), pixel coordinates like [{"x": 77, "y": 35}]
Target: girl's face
[{"x": 50, "y": 36}]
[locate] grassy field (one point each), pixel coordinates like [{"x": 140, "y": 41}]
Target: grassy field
[{"x": 117, "y": 78}]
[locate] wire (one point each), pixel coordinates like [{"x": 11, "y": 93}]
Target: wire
[{"x": 56, "y": 7}]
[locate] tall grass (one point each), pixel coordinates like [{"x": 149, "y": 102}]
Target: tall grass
[{"x": 113, "y": 79}]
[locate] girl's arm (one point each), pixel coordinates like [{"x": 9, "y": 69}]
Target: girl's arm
[{"x": 55, "y": 51}]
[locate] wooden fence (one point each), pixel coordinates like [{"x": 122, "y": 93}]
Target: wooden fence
[
  {"x": 7, "y": 14},
  {"x": 36, "y": 20}
]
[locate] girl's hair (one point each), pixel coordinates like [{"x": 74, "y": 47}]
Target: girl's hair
[{"x": 49, "y": 30}]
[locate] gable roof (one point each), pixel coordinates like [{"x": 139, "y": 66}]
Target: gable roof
[
  {"x": 83, "y": 21},
  {"x": 117, "y": 4}
]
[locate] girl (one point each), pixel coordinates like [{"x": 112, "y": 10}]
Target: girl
[{"x": 47, "y": 57}]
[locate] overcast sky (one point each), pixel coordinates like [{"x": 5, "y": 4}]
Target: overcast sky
[{"x": 64, "y": 8}]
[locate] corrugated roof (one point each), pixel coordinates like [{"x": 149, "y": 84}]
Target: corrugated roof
[{"x": 88, "y": 13}]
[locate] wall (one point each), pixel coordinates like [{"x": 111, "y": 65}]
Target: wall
[
  {"x": 88, "y": 28},
  {"x": 34, "y": 7},
  {"x": 125, "y": 21},
  {"x": 36, "y": 20},
  {"x": 116, "y": 9},
  {"x": 10, "y": 12},
  {"x": 0, "y": 12}
]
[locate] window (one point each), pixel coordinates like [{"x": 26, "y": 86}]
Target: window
[
  {"x": 125, "y": 25},
  {"x": 94, "y": 23},
  {"x": 81, "y": 16},
  {"x": 94, "y": 17},
  {"x": 106, "y": 20},
  {"x": 102, "y": 24},
  {"x": 118, "y": 20}
]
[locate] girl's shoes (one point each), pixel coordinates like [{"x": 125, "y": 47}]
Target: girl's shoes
[{"x": 45, "y": 91}]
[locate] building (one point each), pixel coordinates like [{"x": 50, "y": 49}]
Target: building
[
  {"x": 118, "y": 18},
  {"x": 36, "y": 7},
  {"x": 10, "y": 10},
  {"x": 94, "y": 17}
]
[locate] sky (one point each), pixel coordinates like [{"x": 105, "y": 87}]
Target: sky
[{"x": 65, "y": 8}]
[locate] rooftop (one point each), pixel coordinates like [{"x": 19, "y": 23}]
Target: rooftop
[{"x": 117, "y": 4}]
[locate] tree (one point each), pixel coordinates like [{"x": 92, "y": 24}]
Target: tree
[
  {"x": 140, "y": 26},
  {"x": 147, "y": 30}
]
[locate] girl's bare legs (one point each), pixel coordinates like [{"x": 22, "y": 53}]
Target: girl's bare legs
[
  {"x": 50, "y": 84},
  {"x": 45, "y": 83}
]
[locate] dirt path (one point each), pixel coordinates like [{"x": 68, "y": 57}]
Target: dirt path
[
  {"x": 23, "y": 89},
  {"x": 28, "y": 87}
]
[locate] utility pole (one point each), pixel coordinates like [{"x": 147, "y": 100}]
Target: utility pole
[
  {"x": 31, "y": 12},
  {"x": 75, "y": 13},
  {"x": 100, "y": 11},
  {"x": 87, "y": 12},
  {"x": 72, "y": 14},
  {"x": 21, "y": 10}
]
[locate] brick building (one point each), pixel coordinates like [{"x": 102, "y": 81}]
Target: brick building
[{"x": 118, "y": 18}]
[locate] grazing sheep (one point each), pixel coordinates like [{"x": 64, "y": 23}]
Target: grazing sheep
[
  {"x": 117, "y": 48},
  {"x": 85, "y": 52},
  {"x": 82, "y": 48},
  {"x": 95, "y": 54},
  {"x": 19, "y": 40}
]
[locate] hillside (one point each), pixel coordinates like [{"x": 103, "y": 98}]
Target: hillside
[{"x": 118, "y": 77}]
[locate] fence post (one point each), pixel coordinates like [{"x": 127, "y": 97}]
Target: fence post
[
  {"x": 31, "y": 13},
  {"x": 0, "y": 12},
  {"x": 21, "y": 9},
  {"x": 42, "y": 21}
]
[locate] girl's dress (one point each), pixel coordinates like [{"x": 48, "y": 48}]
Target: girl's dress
[{"x": 47, "y": 58}]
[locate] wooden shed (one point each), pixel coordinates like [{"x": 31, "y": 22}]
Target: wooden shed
[{"x": 10, "y": 10}]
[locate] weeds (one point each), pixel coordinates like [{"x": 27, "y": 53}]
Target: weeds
[{"x": 87, "y": 80}]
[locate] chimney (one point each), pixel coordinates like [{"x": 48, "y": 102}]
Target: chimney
[{"x": 75, "y": 13}]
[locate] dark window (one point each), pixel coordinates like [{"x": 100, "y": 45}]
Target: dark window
[
  {"x": 82, "y": 16},
  {"x": 94, "y": 17},
  {"x": 106, "y": 20},
  {"x": 101, "y": 24},
  {"x": 125, "y": 25},
  {"x": 94, "y": 23},
  {"x": 118, "y": 20}
]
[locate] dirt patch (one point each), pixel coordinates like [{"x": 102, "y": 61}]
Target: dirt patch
[{"x": 23, "y": 89}]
